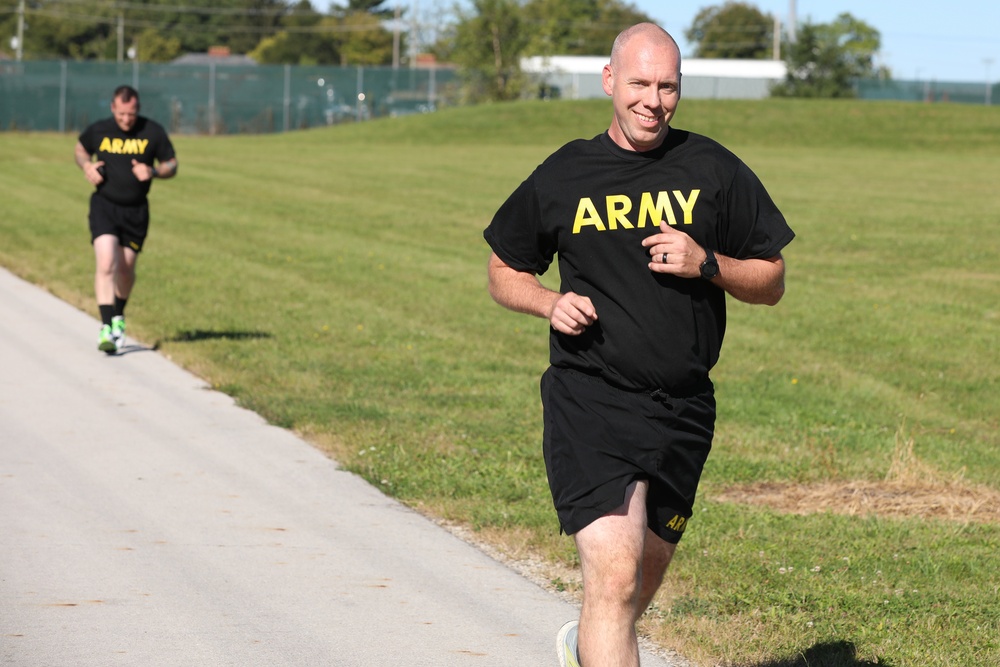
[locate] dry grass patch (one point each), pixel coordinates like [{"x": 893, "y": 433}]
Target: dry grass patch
[
  {"x": 955, "y": 502},
  {"x": 911, "y": 488}
]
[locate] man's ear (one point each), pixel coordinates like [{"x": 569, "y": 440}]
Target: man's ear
[{"x": 607, "y": 79}]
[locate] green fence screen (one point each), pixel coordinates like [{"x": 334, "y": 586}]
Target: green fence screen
[
  {"x": 929, "y": 91},
  {"x": 216, "y": 98},
  {"x": 66, "y": 96}
]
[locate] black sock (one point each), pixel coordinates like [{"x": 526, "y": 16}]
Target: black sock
[
  {"x": 107, "y": 312},
  {"x": 120, "y": 306}
]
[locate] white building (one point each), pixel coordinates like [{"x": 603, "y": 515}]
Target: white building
[{"x": 579, "y": 77}]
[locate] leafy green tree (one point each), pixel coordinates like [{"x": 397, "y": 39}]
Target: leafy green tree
[
  {"x": 827, "y": 58},
  {"x": 74, "y": 31},
  {"x": 732, "y": 30},
  {"x": 363, "y": 40},
  {"x": 489, "y": 39},
  {"x": 374, "y": 7},
  {"x": 487, "y": 43},
  {"x": 289, "y": 48},
  {"x": 152, "y": 46},
  {"x": 8, "y": 26},
  {"x": 87, "y": 29},
  {"x": 577, "y": 27},
  {"x": 200, "y": 24},
  {"x": 307, "y": 38},
  {"x": 345, "y": 37},
  {"x": 301, "y": 15}
]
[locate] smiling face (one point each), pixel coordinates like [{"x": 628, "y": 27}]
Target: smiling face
[
  {"x": 644, "y": 82},
  {"x": 125, "y": 113}
]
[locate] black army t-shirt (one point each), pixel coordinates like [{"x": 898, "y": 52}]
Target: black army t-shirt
[
  {"x": 591, "y": 203},
  {"x": 147, "y": 142}
]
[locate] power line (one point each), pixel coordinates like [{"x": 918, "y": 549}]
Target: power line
[
  {"x": 59, "y": 14},
  {"x": 282, "y": 10}
]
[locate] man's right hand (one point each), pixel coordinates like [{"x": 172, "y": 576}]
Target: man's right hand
[
  {"x": 571, "y": 314},
  {"x": 94, "y": 171}
]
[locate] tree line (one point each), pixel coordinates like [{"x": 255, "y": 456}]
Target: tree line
[
  {"x": 272, "y": 31},
  {"x": 485, "y": 39}
]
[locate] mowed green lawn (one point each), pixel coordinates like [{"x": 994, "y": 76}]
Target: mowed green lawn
[{"x": 334, "y": 281}]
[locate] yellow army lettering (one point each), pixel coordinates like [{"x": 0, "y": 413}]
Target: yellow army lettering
[
  {"x": 617, "y": 208},
  {"x": 124, "y": 146},
  {"x": 678, "y": 523}
]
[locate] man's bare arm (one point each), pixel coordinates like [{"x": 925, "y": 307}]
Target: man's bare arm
[
  {"x": 759, "y": 281},
  {"x": 522, "y": 292}
]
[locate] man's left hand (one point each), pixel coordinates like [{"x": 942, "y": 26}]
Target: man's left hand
[
  {"x": 143, "y": 172},
  {"x": 674, "y": 252}
]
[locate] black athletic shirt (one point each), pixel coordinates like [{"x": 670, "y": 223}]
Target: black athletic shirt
[
  {"x": 146, "y": 142},
  {"x": 591, "y": 203}
]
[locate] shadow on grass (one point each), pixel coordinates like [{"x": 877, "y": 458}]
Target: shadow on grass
[
  {"x": 828, "y": 654},
  {"x": 196, "y": 335}
]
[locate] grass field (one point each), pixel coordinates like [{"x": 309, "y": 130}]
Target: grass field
[{"x": 334, "y": 281}]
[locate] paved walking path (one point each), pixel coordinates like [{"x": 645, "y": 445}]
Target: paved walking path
[{"x": 147, "y": 520}]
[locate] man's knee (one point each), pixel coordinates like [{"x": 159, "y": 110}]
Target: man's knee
[
  {"x": 620, "y": 587},
  {"x": 125, "y": 271},
  {"x": 612, "y": 573},
  {"x": 106, "y": 267}
]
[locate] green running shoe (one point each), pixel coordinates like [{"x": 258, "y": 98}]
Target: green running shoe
[
  {"x": 118, "y": 331},
  {"x": 105, "y": 341},
  {"x": 566, "y": 644}
]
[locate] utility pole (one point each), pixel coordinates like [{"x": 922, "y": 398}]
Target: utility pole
[
  {"x": 411, "y": 43},
  {"x": 989, "y": 88},
  {"x": 20, "y": 31},
  {"x": 121, "y": 36},
  {"x": 791, "y": 21},
  {"x": 776, "y": 40},
  {"x": 395, "y": 39}
]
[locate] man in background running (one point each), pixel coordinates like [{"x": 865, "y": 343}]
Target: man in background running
[{"x": 120, "y": 156}]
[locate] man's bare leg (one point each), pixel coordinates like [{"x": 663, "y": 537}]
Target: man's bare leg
[
  {"x": 611, "y": 552},
  {"x": 125, "y": 274},
  {"x": 106, "y": 254},
  {"x": 656, "y": 558}
]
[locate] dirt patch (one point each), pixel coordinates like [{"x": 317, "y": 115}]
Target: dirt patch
[
  {"x": 911, "y": 488},
  {"x": 954, "y": 502}
]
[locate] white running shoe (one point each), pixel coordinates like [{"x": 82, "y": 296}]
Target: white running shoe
[
  {"x": 118, "y": 331},
  {"x": 566, "y": 644}
]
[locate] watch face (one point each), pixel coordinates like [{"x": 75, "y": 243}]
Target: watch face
[{"x": 709, "y": 269}]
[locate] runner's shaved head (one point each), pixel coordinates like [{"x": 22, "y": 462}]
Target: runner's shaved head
[{"x": 651, "y": 31}]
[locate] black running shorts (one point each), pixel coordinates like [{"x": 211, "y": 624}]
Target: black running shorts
[
  {"x": 129, "y": 223},
  {"x": 598, "y": 439}
]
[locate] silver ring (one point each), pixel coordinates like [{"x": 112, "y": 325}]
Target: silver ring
[{"x": 664, "y": 258}]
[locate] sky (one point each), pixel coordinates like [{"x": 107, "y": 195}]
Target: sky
[{"x": 923, "y": 41}]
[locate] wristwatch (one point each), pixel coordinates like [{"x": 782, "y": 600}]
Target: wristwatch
[{"x": 710, "y": 267}]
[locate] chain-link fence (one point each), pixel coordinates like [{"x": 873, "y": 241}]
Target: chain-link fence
[
  {"x": 929, "y": 91},
  {"x": 66, "y": 96}
]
